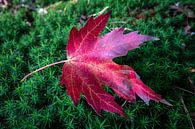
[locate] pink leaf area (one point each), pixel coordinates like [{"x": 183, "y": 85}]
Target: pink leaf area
[{"x": 89, "y": 66}]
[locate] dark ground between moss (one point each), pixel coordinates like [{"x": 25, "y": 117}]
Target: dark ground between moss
[{"x": 29, "y": 40}]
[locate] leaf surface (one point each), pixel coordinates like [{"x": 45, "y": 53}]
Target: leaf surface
[{"x": 90, "y": 66}]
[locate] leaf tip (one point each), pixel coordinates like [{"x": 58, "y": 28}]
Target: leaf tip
[
  {"x": 154, "y": 38},
  {"x": 165, "y": 102}
]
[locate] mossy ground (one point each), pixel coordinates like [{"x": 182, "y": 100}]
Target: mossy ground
[{"x": 40, "y": 101}]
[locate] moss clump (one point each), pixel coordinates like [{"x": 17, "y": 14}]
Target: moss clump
[{"x": 29, "y": 41}]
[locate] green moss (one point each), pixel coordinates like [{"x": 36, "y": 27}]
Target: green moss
[{"x": 40, "y": 102}]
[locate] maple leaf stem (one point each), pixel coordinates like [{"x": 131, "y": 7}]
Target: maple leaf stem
[{"x": 44, "y": 67}]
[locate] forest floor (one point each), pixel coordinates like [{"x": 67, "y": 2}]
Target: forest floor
[{"x": 35, "y": 33}]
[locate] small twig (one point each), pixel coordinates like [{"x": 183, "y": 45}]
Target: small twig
[
  {"x": 100, "y": 12},
  {"x": 187, "y": 112},
  {"x": 128, "y": 29},
  {"x": 185, "y": 90},
  {"x": 53, "y": 6},
  {"x": 88, "y": 1},
  {"x": 118, "y": 22},
  {"x": 108, "y": 28},
  {"x": 55, "y": 63},
  {"x": 26, "y": 6}
]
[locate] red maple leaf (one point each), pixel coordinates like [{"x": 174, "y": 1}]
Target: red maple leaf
[{"x": 89, "y": 66}]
